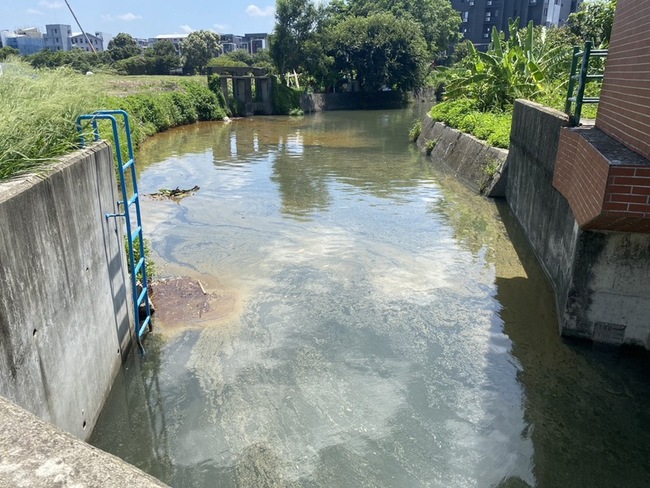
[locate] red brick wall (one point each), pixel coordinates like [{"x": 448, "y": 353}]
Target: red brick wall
[
  {"x": 580, "y": 176},
  {"x": 624, "y": 111},
  {"x": 602, "y": 195}
]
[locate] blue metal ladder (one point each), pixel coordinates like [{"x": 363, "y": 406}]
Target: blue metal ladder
[{"x": 139, "y": 268}]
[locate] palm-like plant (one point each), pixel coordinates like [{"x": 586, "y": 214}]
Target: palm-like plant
[{"x": 510, "y": 69}]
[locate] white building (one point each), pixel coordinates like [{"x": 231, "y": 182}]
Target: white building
[
  {"x": 176, "y": 40},
  {"x": 59, "y": 37}
]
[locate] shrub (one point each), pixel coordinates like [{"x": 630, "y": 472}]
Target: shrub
[
  {"x": 415, "y": 131},
  {"x": 430, "y": 146},
  {"x": 462, "y": 114},
  {"x": 285, "y": 98}
]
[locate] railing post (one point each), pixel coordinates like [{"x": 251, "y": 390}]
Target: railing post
[
  {"x": 584, "y": 69},
  {"x": 572, "y": 81}
]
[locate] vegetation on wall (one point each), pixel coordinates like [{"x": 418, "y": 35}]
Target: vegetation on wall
[
  {"x": 286, "y": 100},
  {"x": 531, "y": 63}
]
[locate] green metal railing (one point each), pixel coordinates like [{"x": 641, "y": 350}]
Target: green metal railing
[{"x": 581, "y": 59}]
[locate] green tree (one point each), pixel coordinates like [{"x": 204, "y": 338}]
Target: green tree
[
  {"x": 7, "y": 51},
  {"x": 240, "y": 55},
  {"x": 593, "y": 21},
  {"x": 123, "y": 46},
  {"x": 198, "y": 48},
  {"x": 296, "y": 23},
  {"x": 437, "y": 19},
  {"x": 381, "y": 50},
  {"x": 161, "y": 58}
]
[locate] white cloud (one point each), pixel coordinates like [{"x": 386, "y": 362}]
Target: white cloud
[
  {"x": 222, "y": 27},
  {"x": 50, "y": 5},
  {"x": 186, "y": 29},
  {"x": 255, "y": 11},
  {"x": 128, "y": 17},
  {"x": 33, "y": 11}
]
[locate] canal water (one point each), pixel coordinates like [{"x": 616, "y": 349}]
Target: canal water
[{"x": 375, "y": 325}]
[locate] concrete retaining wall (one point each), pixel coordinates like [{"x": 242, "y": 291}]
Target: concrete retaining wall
[
  {"x": 601, "y": 279},
  {"x": 542, "y": 211},
  {"x": 478, "y": 165},
  {"x": 321, "y": 102},
  {"x": 65, "y": 318}
]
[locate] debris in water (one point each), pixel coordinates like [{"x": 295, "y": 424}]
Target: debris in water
[{"x": 175, "y": 194}]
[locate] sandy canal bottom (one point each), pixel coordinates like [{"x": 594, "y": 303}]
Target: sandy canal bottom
[{"x": 361, "y": 321}]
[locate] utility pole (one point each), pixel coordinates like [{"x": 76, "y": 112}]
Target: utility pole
[{"x": 81, "y": 28}]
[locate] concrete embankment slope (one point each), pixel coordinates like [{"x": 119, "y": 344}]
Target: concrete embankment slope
[
  {"x": 65, "y": 318},
  {"x": 473, "y": 161},
  {"x": 35, "y": 454}
]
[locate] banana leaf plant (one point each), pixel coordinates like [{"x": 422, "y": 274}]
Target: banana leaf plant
[{"x": 511, "y": 68}]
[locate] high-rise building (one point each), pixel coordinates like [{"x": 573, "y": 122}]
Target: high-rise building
[{"x": 479, "y": 16}]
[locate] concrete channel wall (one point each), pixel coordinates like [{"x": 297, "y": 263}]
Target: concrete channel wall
[
  {"x": 321, "y": 102},
  {"x": 601, "y": 279},
  {"x": 65, "y": 319}
]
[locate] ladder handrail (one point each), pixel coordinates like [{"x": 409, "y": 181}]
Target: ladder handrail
[{"x": 143, "y": 296}]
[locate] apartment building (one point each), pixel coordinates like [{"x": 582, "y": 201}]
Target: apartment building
[{"x": 479, "y": 16}]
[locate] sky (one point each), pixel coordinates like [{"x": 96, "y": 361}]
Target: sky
[{"x": 143, "y": 18}]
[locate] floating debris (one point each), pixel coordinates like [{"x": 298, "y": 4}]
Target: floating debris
[{"x": 175, "y": 194}]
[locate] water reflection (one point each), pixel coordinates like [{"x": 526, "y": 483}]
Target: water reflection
[{"x": 396, "y": 330}]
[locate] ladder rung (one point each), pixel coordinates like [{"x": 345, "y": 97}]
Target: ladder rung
[
  {"x": 135, "y": 233},
  {"x": 594, "y": 77},
  {"x": 128, "y": 164},
  {"x": 590, "y": 100},
  {"x": 139, "y": 266},
  {"x": 144, "y": 326},
  {"x": 572, "y": 99},
  {"x": 142, "y": 295},
  {"x": 133, "y": 199}
]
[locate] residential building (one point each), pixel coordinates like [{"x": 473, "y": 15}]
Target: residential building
[
  {"x": 479, "y": 16},
  {"x": 256, "y": 42},
  {"x": 87, "y": 42},
  {"x": 250, "y": 43},
  {"x": 230, "y": 42},
  {"x": 142, "y": 42},
  {"x": 27, "y": 41},
  {"x": 57, "y": 37},
  {"x": 105, "y": 37},
  {"x": 176, "y": 40}
]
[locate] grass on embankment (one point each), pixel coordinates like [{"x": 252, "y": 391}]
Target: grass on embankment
[
  {"x": 492, "y": 127},
  {"x": 38, "y": 110}
]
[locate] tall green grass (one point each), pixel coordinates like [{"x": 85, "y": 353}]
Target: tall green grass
[{"x": 38, "y": 110}]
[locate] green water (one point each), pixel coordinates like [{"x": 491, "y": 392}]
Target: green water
[{"x": 382, "y": 326}]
